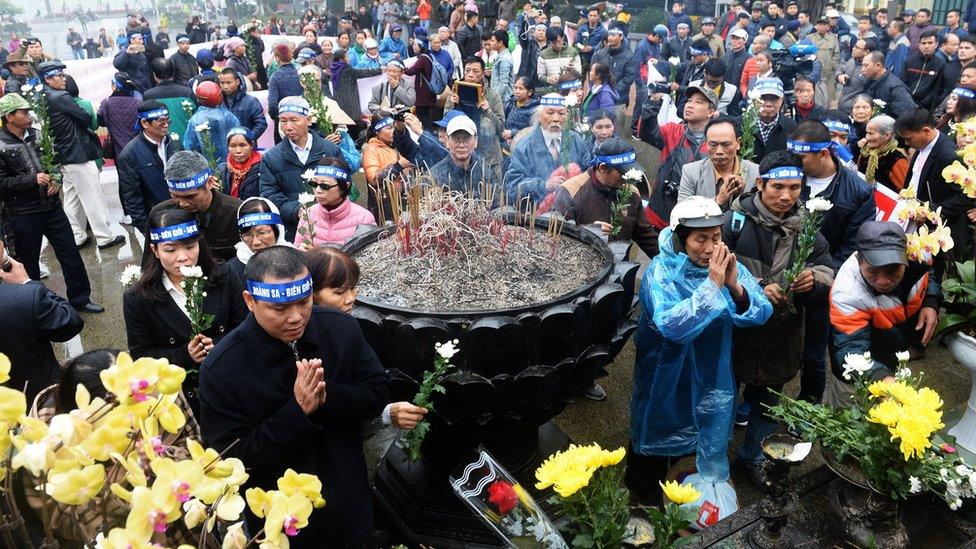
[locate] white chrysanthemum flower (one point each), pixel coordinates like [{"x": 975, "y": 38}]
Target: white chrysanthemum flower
[
  {"x": 570, "y": 100},
  {"x": 26, "y": 88},
  {"x": 191, "y": 272},
  {"x": 306, "y": 198},
  {"x": 205, "y": 127},
  {"x": 634, "y": 174},
  {"x": 857, "y": 364},
  {"x": 583, "y": 128},
  {"x": 915, "y": 485},
  {"x": 174, "y": 136},
  {"x": 675, "y": 61},
  {"x": 902, "y": 356},
  {"x": 130, "y": 274},
  {"x": 903, "y": 373},
  {"x": 817, "y": 204},
  {"x": 38, "y": 88},
  {"x": 308, "y": 174},
  {"x": 880, "y": 103},
  {"x": 447, "y": 350}
]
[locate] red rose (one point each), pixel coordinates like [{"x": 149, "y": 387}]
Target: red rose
[{"x": 503, "y": 496}]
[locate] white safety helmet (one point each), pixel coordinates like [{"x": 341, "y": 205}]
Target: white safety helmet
[{"x": 696, "y": 212}]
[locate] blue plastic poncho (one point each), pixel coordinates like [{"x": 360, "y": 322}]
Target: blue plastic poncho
[{"x": 684, "y": 388}]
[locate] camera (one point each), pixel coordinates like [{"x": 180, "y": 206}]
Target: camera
[
  {"x": 399, "y": 113},
  {"x": 658, "y": 87}
]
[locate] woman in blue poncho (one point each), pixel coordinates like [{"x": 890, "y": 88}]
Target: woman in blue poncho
[{"x": 692, "y": 295}]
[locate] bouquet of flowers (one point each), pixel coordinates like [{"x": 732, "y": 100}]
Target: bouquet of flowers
[
  {"x": 130, "y": 274},
  {"x": 504, "y": 505},
  {"x": 964, "y": 173},
  {"x": 111, "y": 459},
  {"x": 38, "y": 99},
  {"x": 618, "y": 210},
  {"x": 320, "y": 111},
  {"x": 209, "y": 149},
  {"x": 251, "y": 51},
  {"x": 878, "y": 107},
  {"x": 192, "y": 285},
  {"x": 750, "y": 119},
  {"x": 412, "y": 439},
  {"x": 307, "y": 228},
  {"x": 189, "y": 109},
  {"x": 586, "y": 480},
  {"x": 805, "y": 240},
  {"x": 677, "y": 514},
  {"x": 889, "y": 430}
]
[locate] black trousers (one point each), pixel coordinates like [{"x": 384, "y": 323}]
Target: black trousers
[
  {"x": 29, "y": 229},
  {"x": 644, "y": 473}
]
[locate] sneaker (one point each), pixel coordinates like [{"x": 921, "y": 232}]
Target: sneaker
[
  {"x": 754, "y": 471},
  {"x": 742, "y": 414},
  {"x": 595, "y": 392}
]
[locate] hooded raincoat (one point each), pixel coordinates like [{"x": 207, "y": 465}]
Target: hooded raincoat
[{"x": 684, "y": 389}]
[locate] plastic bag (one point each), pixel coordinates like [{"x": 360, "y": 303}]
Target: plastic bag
[{"x": 718, "y": 500}]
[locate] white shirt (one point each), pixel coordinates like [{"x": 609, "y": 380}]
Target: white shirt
[
  {"x": 920, "y": 158},
  {"x": 176, "y": 293},
  {"x": 302, "y": 152},
  {"x": 817, "y": 185}
]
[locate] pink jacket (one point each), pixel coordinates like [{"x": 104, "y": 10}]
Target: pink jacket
[{"x": 335, "y": 226}]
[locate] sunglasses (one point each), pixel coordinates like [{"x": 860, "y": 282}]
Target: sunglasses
[{"x": 324, "y": 186}]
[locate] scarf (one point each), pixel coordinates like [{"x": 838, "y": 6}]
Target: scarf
[
  {"x": 804, "y": 112},
  {"x": 874, "y": 155},
  {"x": 239, "y": 171},
  {"x": 766, "y": 129},
  {"x": 337, "y": 68}
]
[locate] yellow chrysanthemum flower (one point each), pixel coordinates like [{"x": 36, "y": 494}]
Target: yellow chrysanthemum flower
[
  {"x": 887, "y": 412},
  {"x": 680, "y": 493}
]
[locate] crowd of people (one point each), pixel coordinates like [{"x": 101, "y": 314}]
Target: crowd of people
[{"x": 543, "y": 104}]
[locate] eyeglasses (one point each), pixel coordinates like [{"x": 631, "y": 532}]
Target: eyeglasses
[
  {"x": 257, "y": 233},
  {"x": 324, "y": 186}
]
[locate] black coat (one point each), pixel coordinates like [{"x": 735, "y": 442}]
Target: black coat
[
  {"x": 893, "y": 92},
  {"x": 247, "y": 395},
  {"x": 136, "y": 65},
  {"x": 777, "y": 137},
  {"x": 34, "y": 316},
  {"x": 949, "y": 197},
  {"x": 923, "y": 77},
  {"x": 19, "y": 165},
  {"x": 74, "y": 142},
  {"x": 185, "y": 65},
  {"x": 157, "y": 328},
  {"x": 168, "y": 89},
  {"x": 218, "y": 224},
  {"x": 141, "y": 181}
]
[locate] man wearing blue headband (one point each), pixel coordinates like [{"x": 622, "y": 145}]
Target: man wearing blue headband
[
  {"x": 76, "y": 148},
  {"x": 539, "y": 160},
  {"x": 184, "y": 61},
  {"x": 193, "y": 188},
  {"x": 133, "y": 61},
  {"x": 140, "y": 164},
  {"x": 762, "y": 229},
  {"x": 618, "y": 56},
  {"x": 853, "y": 205},
  {"x": 282, "y": 166},
  {"x": 290, "y": 388},
  {"x": 32, "y": 202}
]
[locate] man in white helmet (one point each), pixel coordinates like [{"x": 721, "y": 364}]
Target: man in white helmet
[{"x": 693, "y": 294}]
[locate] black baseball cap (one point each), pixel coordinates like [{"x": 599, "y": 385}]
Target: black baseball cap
[{"x": 882, "y": 243}]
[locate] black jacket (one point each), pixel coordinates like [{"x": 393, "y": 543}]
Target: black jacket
[
  {"x": 218, "y": 224},
  {"x": 948, "y": 196},
  {"x": 141, "y": 181},
  {"x": 34, "y": 316},
  {"x": 136, "y": 65},
  {"x": 157, "y": 328},
  {"x": 74, "y": 142},
  {"x": 167, "y": 89},
  {"x": 923, "y": 77},
  {"x": 19, "y": 165},
  {"x": 185, "y": 65},
  {"x": 247, "y": 396},
  {"x": 735, "y": 63},
  {"x": 892, "y": 91},
  {"x": 468, "y": 39},
  {"x": 251, "y": 185},
  {"x": 853, "y": 204},
  {"x": 777, "y": 137},
  {"x": 623, "y": 65}
]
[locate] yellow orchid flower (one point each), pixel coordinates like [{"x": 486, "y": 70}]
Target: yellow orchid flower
[
  {"x": 169, "y": 414},
  {"x": 36, "y": 457},
  {"x": 13, "y": 405},
  {"x": 194, "y": 513},
  {"x": 309, "y": 486},
  {"x": 286, "y": 516},
  {"x": 122, "y": 538},
  {"x": 134, "y": 473},
  {"x": 258, "y": 501},
  {"x": 111, "y": 436},
  {"x": 134, "y": 382},
  {"x": 235, "y": 538},
  {"x": 146, "y": 516},
  {"x": 4, "y": 368},
  {"x": 76, "y": 486},
  {"x": 171, "y": 378},
  {"x": 175, "y": 481},
  {"x": 68, "y": 430},
  {"x": 680, "y": 493}
]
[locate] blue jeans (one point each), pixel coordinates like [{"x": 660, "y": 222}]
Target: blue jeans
[
  {"x": 79, "y": 53},
  {"x": 760, "y": 425},
  {"x": 813, "y": 376}
]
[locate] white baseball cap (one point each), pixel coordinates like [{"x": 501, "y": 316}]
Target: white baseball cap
[
  {"x": 462, "y": 124},
  {"x": 369, "y": 44},
  {"x": 833, "y": 13},
  {"x": 741, "y": 33}
]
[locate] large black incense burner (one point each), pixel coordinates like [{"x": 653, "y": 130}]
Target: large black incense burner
[{"x": 517, "y": 368}]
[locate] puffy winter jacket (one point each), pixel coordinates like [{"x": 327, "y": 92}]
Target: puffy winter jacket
[
  {"x": 247, "y": 109},
  {"x": 141, "y": 181},
  {"x": 338, "y": 225},
  {"x": 893, "y": 92},
  {"x": 118, "y": 115},
  {"x": 923, "y": 78},
  {"x": 519, "y": 117},
  {"x": 136, "y": 66},
  {"x": 853, "y": 204},
  {"x": 220, "y": 120},
  {"x": 623, "y": 67},
  {"x": 553, "y": 63},
  {"x": 604, "y": 97},
  {"x": 283, "y": 83},
  {"x": 897, "y": 56},
  {"x": 249, "y": 188}
]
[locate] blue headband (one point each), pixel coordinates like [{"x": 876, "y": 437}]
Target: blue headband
[
  {"x": 258, "y": 218},
  {"x": 331, "y": 171},
  {"x": 570, "y": 85},
  {"x": 118, "y": 83},
  {"x": 189, "y": 183},
  {"x": 239, "y": 130},
  {"x": 799, "y": 147},
  {"x": 696, "y": 51},
  {"x": 615, "y": 30},
  {"x": 154, "y": 114},
  {"x": 783, "y": 172},
  {"x": 963, "y": 92},
  {"x": 174, "y": 232},
  {"x": 837, "y": 126},
  {"x": 615, "y": 159},
  {"x": 552, "y": 101},
  {"x": 52, "y": 72},
  {"x": 382, "y": 123},
  {"x": 293, "y": 108},
  {"x": 281, "y": 293}
]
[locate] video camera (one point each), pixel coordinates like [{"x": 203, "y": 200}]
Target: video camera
[
  {"x": 658, "y": 87},
  {"x": 788, "y": 63}
]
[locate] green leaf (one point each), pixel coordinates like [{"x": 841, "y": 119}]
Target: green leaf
[{"x": 583, "y": 540}]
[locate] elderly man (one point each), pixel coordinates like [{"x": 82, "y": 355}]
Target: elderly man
[
  {"x": 140, "y": 164},
  {"x": 750, "y": 70},
  {"x": 194, "y": 188},
  {"x": 282, "y": 166},
  {"x": 463, "y": 169},
  {"x": 540, "y": 159},
  {"x": 34, "y": 206},
  {"x": 772, "y": 129},
  {"x": 394, "y": 93},
  {"x": 882, "y": 84},
  {"x": 721, "y": 175},
  {"x": 76, "y": 147},
  {"x": 289, "y": 389},
  {"x": 489, "y": 115}
]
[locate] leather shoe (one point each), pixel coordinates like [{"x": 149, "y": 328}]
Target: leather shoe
[
  {"x": 90, "y": 308},
  {"x": 84, "y": 242},
  {"x": 119, "y": 239},
  {"x": 754, "y": 471}
]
